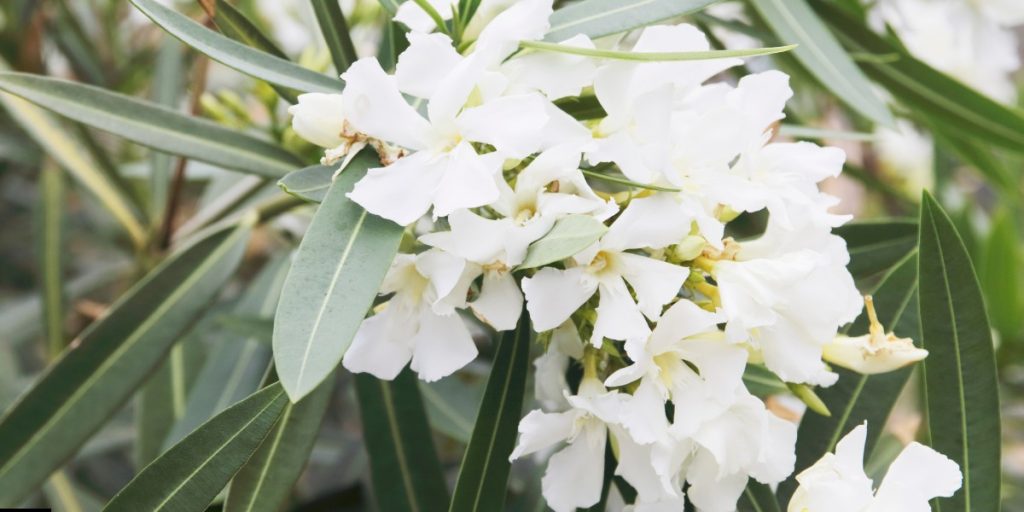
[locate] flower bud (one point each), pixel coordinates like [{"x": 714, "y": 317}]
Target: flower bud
[{"x": 875, "y": 352}]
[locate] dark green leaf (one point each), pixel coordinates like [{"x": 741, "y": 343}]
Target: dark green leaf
[
  {"x": 109, "y": 360},
  {"x": 960, "y": 375},
  {"x": 51, "y": 255},
  {"x": 857, "y": 398},
  {"x": 335, "y": 30},
  {"x": 168, "y": 84},
  {"x": 793, "y": 21},
  {"x": 152, "y": 125},
  {"x": 403, "y": 462},
  {"x": 337, "y": 272},
  {"x": 877, "y": 245},
  {"x": 1000, "y": 273},
  {"x": 162, "y": 401},
  {"x": 483, "y": 477},
  {"x": 452, "y": 405},
  {"x": 190, "y": 475},
  {"x": 922, "y": 88},
  {"x": 234, "y": 24},
  {"x": 310, "y": 183},
  {"x": 236, "y": 55},
  {"x": 758, "y": 497},
  {"x": 599, "y": 18},
  {"x": 266, "y": 481}
]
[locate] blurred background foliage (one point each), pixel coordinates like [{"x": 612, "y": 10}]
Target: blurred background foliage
[{"x": 86, "y": 214}]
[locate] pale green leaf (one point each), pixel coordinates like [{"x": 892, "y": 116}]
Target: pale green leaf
[
  {"x": 652, "y": 56},
  {"x": 567, "y": 237},
  {"x": 599, "y": 18}
]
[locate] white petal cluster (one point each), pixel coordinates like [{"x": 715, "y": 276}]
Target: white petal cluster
[
  {"x": 665, "y": 311},
  {"x": 837, "y": 482}
]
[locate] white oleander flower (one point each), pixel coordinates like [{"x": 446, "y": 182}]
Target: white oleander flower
[
  {"x": 837, "y": 482},
  {"x": 787, "y": 293},
  {"x": 420, "y": 322},
  {"x": 549, "y": 382},
  {"x": 552, "y": 295}
]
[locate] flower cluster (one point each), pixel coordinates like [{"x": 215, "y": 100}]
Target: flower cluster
[{"x": 665, "y": 310}]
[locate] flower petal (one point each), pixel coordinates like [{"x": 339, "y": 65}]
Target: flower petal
[
  {"x": 618, "y": 317},
  {"x": 428, "y": 60},
  {"x": 442, "y": 345},
  {"x": 575, "y": 475},
  {"x": 403, "y": 191},
  {"x": 539, "y": 430},
  {"x": 512, "y": 124},
  {"x": 500, "y": 300},
  {"x": 655, "y": 282},
  {"x": 468, "y": 182},
  {"x": 375, "y": 351},
  {"x": 375, "y": 106},
  {"x": 552, "y": 295}
]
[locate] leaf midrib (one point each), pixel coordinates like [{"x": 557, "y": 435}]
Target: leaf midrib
[
  {"x": 282, "y": 424},
  {"x": 603, "y": 14},
  {"x": 399, "y": 444}
]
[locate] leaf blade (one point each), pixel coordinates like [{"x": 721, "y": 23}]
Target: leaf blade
[
  {"x": 151, "y": 125},
  {"x": 354, "y": 249},
  {"x": 960, "y": 376},
  {"x": 599, "y": 18},
  {"x": 568, "y": 236}
]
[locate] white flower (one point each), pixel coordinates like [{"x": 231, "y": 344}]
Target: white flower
[
  {"x": 552, "y": 295},
  {"x": 549, "y": 382},
  {"x": 575, "y": 474},
  {"x": 907, "y": 157},
  {"x": 787, "y": 293},
  {"x": 875, "y": 352},
  {"x": 837, "y": 482},
  {"x": 413, "y": 16},
  {"x": 419, "y": 323}
]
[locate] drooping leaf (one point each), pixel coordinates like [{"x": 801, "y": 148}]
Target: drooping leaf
[
  {"x": 191, "y": 474},
  {"x": 793, "y": 21},
  {"x": 1001, "y": 275},
  {"x": 857, "y": 398},
  {"x": 236, "y": 363},
  {"x": 568, "y": 236},
  {"x": 403, "y": 462},
  {"x": 877, "y": 245},
  {"x": 266, "y": 480},
  {"x": 338, "y": 268},
  {"x": 236, "y": 55},
  {"x": 483, "y": 477},
  {"x": 960, "y": 375},
  {"x": 151, "y": 125},
  {"x": 310, "y": 183},
  {"x": 922, "y": 88},
  {"x": 599, "y": 18},
  {"x": 335, "y": 31},
  {"x": 104, "y": 366}
]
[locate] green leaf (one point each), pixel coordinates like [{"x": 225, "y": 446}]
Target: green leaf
[
  {"x": 109, "y": 360},
  {"x": 75, "y": 158},
  {"x": 151, "y": 125},
  {"x": 335, "y": 31},
  {"x": 452, "y": 406},
  {"x": 758, "y": 497},
  {"x": 922, "y": 88},
  {"x": 237, "y": 363},
  {"x": 857, "y": 398},
  {"x": 465, "y": 12},
  {"x": 590, "y": 173},
  {"x": 976, "y": 153},
  {"x": 651, "y": 56},
  {"x": 599, "y": 18},
  {"x": 168, "y": 84},
  {"x": 190, "y": 475},
  {"x": 338, "y": 269},
  {"x": 760, "y": 381},
  {"x": 51, "y": 255},
  {"x": 309, "y": 183},
  {"x": 568, "y": 236},
  {"x": 403, "y": 462},
  {"x": 960, "y": 375},
  {"x": 1000, "y": 273},
  {"x": 266, "y": 480},
  {"x": 793, "y": 21},
  {"x": 877, "y": 245},
  {"x": 483, "y": 477},
  {"x": 236, "y": 55},
  {"x": 234, "y": 24}
]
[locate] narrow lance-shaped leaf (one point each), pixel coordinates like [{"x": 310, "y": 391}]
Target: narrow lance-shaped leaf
[
  {"x": 236, "y": 55},
  {"x": 152, "y": 125},
  {"x": 960, "y": 373},
  {"x": 190, "y": 475},
  {"x": 599, "y": 18},
  {"x": 404, "y": 467},
  {"x": 106, "y": 364},
  {"x": 50, "y": 251},
  {"x": 568, "y": 236},
  {"x": 234, "y": 24},
  {"x": 1001, "y": 273},
  {"x": 167, "y": 88},
  {"x": 236, "y": 364},
  {"x": 266, "y": 480},
  {"x": 793, "y": 21},
  {"x": 758, "y": 497},
  {"x": 857, "y": 398},
  {"x": 652, "y": 56},
  {"x": 309, "y": 183},
  {"x": 337, "y": 271},
  {"x": 922, "y": 88},
  {"x": 483, "y": 477}
]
